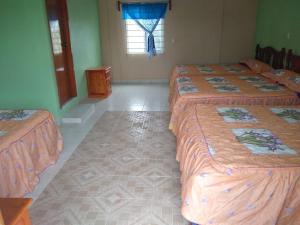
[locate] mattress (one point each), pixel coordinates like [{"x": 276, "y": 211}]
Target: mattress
[
  {"x": 229, "y": 90},
  {"x": 29, "y": 142},
  {"x": 240, "y": 164}
]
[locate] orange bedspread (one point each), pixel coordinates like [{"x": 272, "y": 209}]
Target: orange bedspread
[
  {"x": 229, "y": 90},
  {"x": 240, "y": 164},
  {"x": 210, "y": 70},
  {"x": 29, "y": 142}
]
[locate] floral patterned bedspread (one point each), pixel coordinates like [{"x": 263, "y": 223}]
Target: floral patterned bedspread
[
  {"x": 209, "y": 70},
  {"x": 10, "y": 119},
  {"x": 227, "y": 90},
  {"x": 19, "y": 114},
  {"x": 29, "y": 142},
  {"x": 215, "y": 69},
  {"x": 230, "y": 84},
  {"x": 240, "y": 164}
]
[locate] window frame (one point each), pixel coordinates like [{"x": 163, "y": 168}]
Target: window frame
[{"x": 161, "y": 50}]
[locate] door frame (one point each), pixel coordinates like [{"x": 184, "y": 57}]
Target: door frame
[{"x": 66, "y": 45}]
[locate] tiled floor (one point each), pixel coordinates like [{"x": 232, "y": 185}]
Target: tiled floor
[
  {"x": 142, "y": 97},
  {"x": 125, "y": 97},
  {"x": 124, "y": 172}
]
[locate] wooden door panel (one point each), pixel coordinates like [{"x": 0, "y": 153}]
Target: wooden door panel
[
  {"x": 63, "y": 87},
  {"x": 61, "y": 48}
]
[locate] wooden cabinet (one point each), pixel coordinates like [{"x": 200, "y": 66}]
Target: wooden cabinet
[
  {"x": 15, "y": 211},
  {"x": 98, "y": 82}
]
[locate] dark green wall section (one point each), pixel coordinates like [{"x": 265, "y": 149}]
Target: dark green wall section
[
  {"x": 26, "y": 75},
  {"x": 275, "y": 20},
  {"x": 27, "y": 78}
]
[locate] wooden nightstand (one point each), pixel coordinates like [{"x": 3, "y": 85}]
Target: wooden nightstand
[
  {"x": 98, "y": 82},
  {"x": 15, "y": 211}
]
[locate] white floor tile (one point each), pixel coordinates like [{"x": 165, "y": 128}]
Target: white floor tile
[{"x": 125, "y": 97}]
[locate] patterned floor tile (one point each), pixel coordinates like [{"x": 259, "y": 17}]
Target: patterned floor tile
[{"x": 123, "y": 173}]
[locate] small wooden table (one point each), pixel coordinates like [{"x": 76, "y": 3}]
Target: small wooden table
[
  {"x": 98, "y": 82},
  {"x": 15, "y": 211}
]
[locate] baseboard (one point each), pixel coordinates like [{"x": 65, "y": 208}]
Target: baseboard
[{"x": 156, "y": 81}]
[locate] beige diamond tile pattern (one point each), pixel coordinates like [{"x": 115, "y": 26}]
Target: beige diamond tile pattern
[{"x": 123, "y": 173}]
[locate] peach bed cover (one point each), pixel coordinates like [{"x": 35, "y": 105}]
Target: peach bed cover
[
  {"x": 29, "y": 142},
  {"x": 227, "y": 90},
  {"x": 240, "y": 164},
  {"x": 210, "y": 70}
]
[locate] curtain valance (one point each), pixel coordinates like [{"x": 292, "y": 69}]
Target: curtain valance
[{"x": 137, "y": 11}]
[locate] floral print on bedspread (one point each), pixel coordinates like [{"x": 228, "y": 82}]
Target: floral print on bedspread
[
  {"x": 253, "y": 79},
  {"x": 226, "y": 88},
  {"x": 181, "y": 70},
  {"x": 205, "y": 69},
  {"x": 184, "y": 80},
  {"x": 269, "y": 87},
  {"x": 19, "y": 114},
  {"x": 2, "y": 133},
  {"x": 185, "y": 86},
  {"x": 288, "y": 114},
  {"x": 279, "y": 72},
  {"x": 236, "y": 114},
  {"x": 211, "y": 150},
  {"x": 216, "y": 80},
  {"x": 187, "y": 89},
  {"x": 262, "y": 141},
  {"x": 232, "y": 68},
  {"x": 295, "y": 79}
]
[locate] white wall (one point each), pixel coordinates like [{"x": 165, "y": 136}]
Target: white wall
[{"x": 204, "y": 31}]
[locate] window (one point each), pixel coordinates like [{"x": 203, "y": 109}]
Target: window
[
  {"x": 137, "y": 38},
  {"x": 55, "y": 36}
]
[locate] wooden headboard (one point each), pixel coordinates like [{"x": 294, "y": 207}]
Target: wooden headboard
[
  {"x": 271, "y": 56},
  {"x": 293, "y": 62}
]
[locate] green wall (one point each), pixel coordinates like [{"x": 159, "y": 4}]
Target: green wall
[
  {"x": 85, "y": 41},
  {"x": 277, "y": 18},
  {"x": 27, "y": 78}
]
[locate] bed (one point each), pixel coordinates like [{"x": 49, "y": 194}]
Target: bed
[
  {"x": 232, "y": 90},
  {"x": 240, "y": 165},
  {"x": 266, "y": 55},
  {"x": 29, "y": 142}
]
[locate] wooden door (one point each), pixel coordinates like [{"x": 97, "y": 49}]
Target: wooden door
[
  {"x": 1, "y": 218},
  {"x": 61, "y": 48}
]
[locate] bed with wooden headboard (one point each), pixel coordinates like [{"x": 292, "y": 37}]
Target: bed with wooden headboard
[
  {"x": 293, "y": 62},
  {"x": 233, "y": 89},
  {"x": 268, "y": 56},
  {"x": 271, "y": 56},
  {"x": 289, "y": 76}
]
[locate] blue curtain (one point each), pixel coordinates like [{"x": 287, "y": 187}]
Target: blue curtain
[{"x": 147, "y": 16}]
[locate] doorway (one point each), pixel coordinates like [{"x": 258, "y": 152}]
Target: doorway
[{"x": 61, "y": 48}]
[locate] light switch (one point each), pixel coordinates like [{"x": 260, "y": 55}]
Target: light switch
[{"x": 288, "y": 35}]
